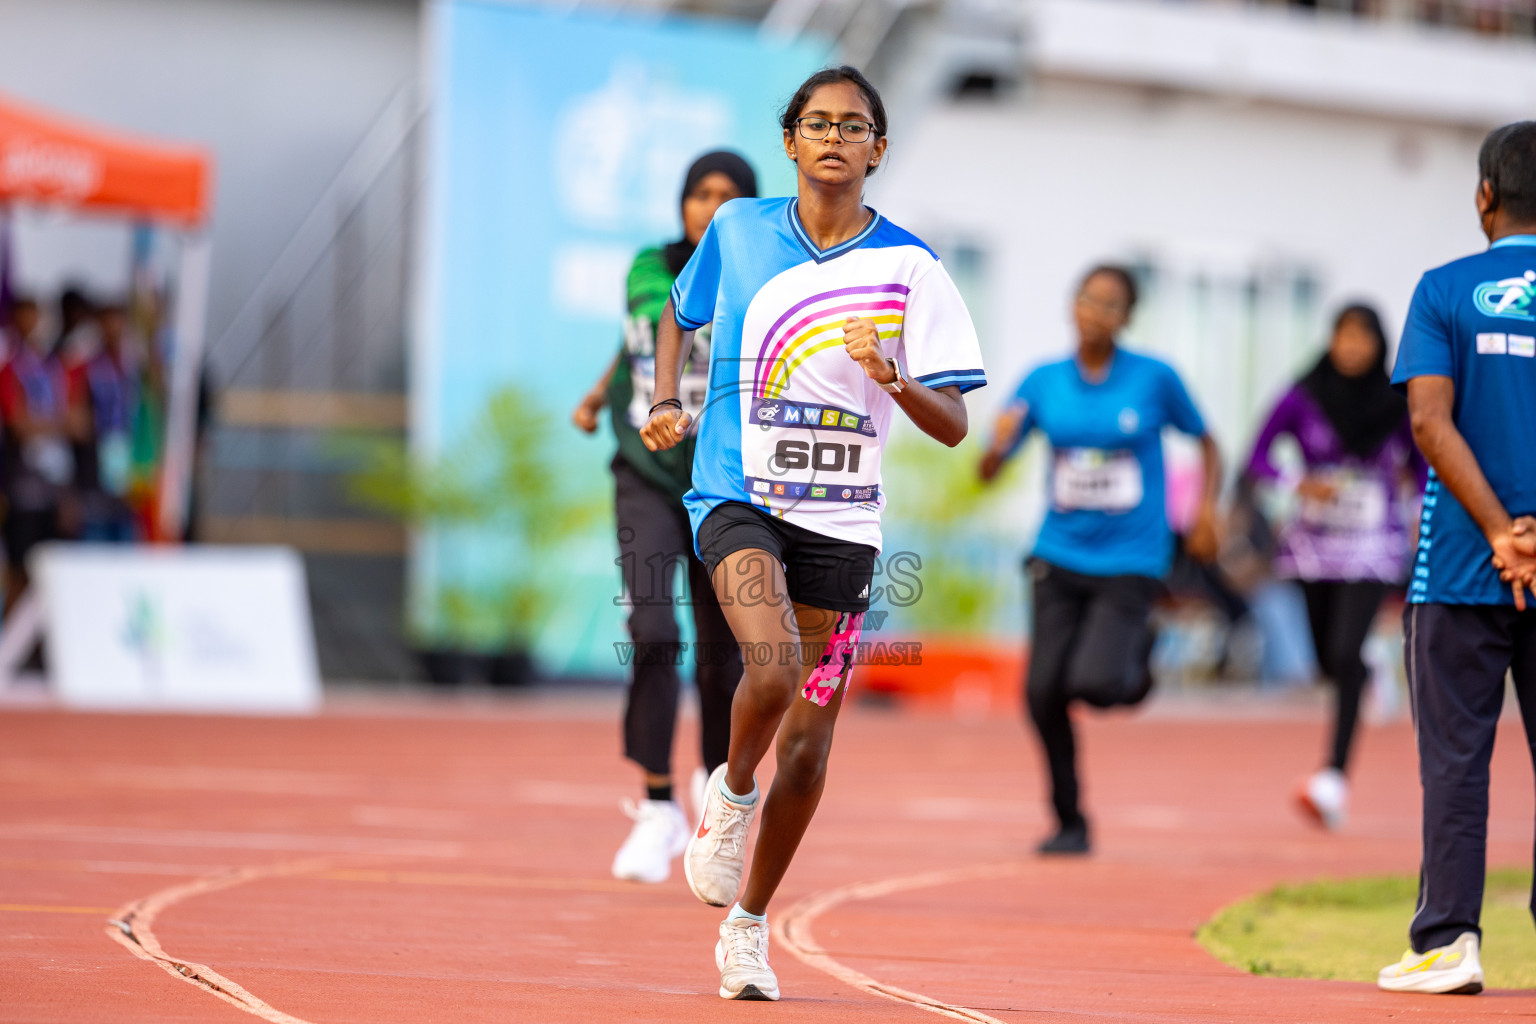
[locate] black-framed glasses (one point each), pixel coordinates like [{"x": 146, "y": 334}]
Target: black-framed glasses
[
  {"x": 1111, "y": 307},
  {"x": 817, "y": 128}
]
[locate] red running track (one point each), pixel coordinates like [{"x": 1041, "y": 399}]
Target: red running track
[{"x": 412, "y": 862}]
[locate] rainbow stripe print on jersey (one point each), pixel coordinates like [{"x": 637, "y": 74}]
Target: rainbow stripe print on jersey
[{"x": 816, "y": 324}]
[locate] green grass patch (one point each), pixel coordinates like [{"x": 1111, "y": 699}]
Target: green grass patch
[{"x": 1349, "y": 930}]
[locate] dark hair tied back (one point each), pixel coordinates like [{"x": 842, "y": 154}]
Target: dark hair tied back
[
  {"x": 832, "y": 76},
  {"x": 1119, "y": 273}
]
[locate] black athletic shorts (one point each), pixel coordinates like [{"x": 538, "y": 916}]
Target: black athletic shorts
[{"x": 822, "y": 572}]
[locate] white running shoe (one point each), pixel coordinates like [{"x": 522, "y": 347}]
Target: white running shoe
[
  {"x": 660, "y": 833},
  {"x": 696, "y": 783},
  {"x": 1456, "y": 969},
  {"x": 742, "y": 956},
  {"x": 1324, "y": 798},
  {"x": 713, "y": 861}
]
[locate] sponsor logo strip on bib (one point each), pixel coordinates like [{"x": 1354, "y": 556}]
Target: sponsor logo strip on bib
[
  {"x": 807, "y": 490},
  {"x": 775, "y": 413}
]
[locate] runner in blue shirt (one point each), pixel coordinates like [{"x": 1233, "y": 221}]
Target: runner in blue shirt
[
  {"x": 1105, "y": 544},
  {"x": 1468, "y": 364},
  {"x": 827, "y": 319}
]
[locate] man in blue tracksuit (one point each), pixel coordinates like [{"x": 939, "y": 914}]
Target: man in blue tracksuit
[{"x": 1468, "y": 364}]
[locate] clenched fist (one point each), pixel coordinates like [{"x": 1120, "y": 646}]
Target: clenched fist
[
  {"x": 666, "y": 427},
  {"x": 862, "y": 342}
]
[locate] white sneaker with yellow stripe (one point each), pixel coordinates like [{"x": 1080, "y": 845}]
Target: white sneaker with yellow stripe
[{"x": 1456, "y": 969}]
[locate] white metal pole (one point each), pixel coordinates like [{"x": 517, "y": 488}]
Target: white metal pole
[{"x": 186, "y": 375}]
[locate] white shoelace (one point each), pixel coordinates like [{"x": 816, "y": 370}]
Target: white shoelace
[
  {"x": 748, "y": 947},
  {"x": 729, "y": 831}
]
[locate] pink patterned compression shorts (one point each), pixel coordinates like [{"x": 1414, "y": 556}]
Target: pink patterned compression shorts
[{"x": 836, "y": 663}]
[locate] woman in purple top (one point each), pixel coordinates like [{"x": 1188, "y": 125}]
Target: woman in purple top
[{"x": 1348, "y": 542}]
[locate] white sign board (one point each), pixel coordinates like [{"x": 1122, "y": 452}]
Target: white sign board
[{"x": 177, "y": 628}]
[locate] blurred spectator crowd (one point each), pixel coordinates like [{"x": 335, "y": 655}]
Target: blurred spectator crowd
[
  {"x": 82, "y": 399},
  {"x": 1489, "y": 17}
]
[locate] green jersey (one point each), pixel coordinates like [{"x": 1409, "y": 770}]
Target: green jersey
[{"x": 632, "y": 388}]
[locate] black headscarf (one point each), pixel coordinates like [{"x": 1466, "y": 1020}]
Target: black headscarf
[
  {"x": 1363, "y": 410},
  {"x": 725, "y": 162}
]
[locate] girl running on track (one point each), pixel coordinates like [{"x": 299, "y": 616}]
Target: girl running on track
[
  {"x": 827, "y": 319},
  {"x": 1105, "y": 544},
  {"x": 1349, "y": 542},
  {"x": 654, "y": 537}
]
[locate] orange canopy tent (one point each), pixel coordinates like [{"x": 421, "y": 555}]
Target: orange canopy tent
[
  {"x": 44, "y": 159},
  {"x": 55, "y": 161}
]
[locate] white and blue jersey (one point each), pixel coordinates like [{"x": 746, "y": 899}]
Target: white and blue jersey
[
  {"x": 1474, "y": 321},
  {"x": 1107, "y": 514},
  {"x": 792, "y": 424}
]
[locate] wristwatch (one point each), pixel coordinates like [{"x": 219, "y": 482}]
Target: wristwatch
[{"x": 900, "y": 383}]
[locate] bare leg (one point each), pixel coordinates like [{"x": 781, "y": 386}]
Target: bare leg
[
  {"x": 805, "y": 741},
  {"x": 755, "y": 600},
  {"x": 756, "y": 604}
]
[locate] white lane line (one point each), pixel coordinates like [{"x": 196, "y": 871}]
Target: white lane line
[
  {"x": 191, "y": 777},
  {"x": 111, "y": 867},
  {"x": 287, "y": 841},
  {"x": 132, "y": 928},
  {"x": 61, "y": 772},
  {"x": 795, "y": 933}
]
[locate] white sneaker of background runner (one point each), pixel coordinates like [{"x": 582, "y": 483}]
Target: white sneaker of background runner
[
  {"x": 1326, "y": 795},
  {"x": 742, "y": 956},
  {"x": 1444, "y": 970},
  {"x": 713, "y": 861},
  {"x": 660, "y": 833}
]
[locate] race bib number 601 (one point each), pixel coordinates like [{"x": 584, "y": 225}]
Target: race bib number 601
[{"x": 793, "y": 452}]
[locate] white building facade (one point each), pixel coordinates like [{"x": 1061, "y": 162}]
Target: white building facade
[{"x": 1260, "y": 166}]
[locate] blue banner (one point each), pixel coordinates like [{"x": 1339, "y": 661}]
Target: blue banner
[{"x": 557, "y": 150}]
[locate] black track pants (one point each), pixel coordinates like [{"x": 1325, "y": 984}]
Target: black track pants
[
  {"x": 1091, "y": 642},
  {"x": 1457, "y": 657},
  {"x": 1341, "y": 614},
  {"x": 654, "y": 536}
]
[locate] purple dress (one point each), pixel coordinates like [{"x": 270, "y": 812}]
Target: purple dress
[{"x": 1363, "y": 533}]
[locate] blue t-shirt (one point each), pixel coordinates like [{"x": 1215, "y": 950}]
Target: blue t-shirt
[
  {"x": 1107, "y": 513},
  {"x": 1473, "y": 321},
  {"x": 791, "y": 424}
]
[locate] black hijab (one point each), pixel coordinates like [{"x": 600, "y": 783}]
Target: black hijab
[
  {"x": 727, "y": 163},
  {"x": 1363, "y": 410}
]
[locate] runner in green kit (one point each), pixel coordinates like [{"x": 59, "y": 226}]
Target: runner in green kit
[
  {"x": 632, "y": 380},
  {"x": 655, "y": 536}
]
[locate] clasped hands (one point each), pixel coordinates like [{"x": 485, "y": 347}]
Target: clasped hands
[{"x": 1514, "y": 555}]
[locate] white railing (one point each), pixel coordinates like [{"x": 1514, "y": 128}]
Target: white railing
[
  {"x": 324, "y": 328},
  {"x": 354, "y": 204}
]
